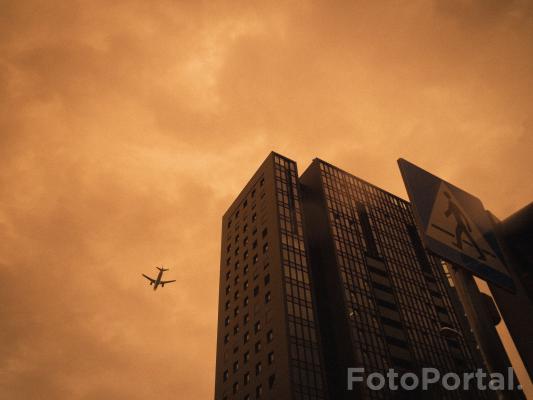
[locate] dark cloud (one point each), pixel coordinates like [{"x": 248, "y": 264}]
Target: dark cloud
[{"x": 126, "y": 130}]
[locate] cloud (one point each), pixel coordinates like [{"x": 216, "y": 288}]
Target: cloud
[{"x": 127, "y": 129}]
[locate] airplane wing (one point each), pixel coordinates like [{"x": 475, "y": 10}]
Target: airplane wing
[
  {"x": 150, "y": 279},
  {"x": 163, "y": 282}
]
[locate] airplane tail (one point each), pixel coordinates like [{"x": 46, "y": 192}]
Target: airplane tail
[{"x": 162, "y": 269}]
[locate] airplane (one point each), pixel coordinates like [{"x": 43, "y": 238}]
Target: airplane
[{"x": 156, "y": 282}]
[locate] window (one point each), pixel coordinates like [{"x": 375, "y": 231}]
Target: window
[
  {"x": 271, "y": 380},
  {"x": 235, "y": 387},
  {"x": 246, "y": 318},
  {"x": 268, "y": 297},
  {"x": 253, "y": 193},
  {"x": 257, "y": 326},
  {"x": 258, "y": 346},
  {"x": 258, "y": 368},
  {"x": 228, "y": 289},
  {"x": 262, "y": 182},
  {"x": 386, "y": 304},
  {"x": 225, "y": 375},
  {"x": 228, "y": 275},
  {"x": 245, "y": 228},
  {"x": 379, "y": 286},
  {"x": 245, "y": 285},
  {"x": 267, "y": 279},
  {"x": 245, "y": 255},
  {"x": 391, "y": 322},
  {"x": 270, "y": 336},
  {"x": 254, "y": 245},
  {"x": 226, "y": 339},
  {"x": 236, "y": 280},
  {"x": 235, "y": 366},
  {"x": 246, "y": 378},
  {"x": 255, "y": 259},
  {"x": 256, "y": 291},
  {"x": 265, "y": 232},
  {"x": 441, "y": 309},
  {"x": 246, "y": 301},
  {"x": 236, "y": 311},
  {"x": 258, "y": 391},
  {"x": 265, "y": 248},
  {"x": 254, "y": 217},
  {"x": 246, "y": 337},
  {"x": 396, "y": 341},
  {"x": 236, "y": 295},
  {"x": 245, "y": 204},
  {"x": 245, "y": 241},
  {"x": 246, "y": 268},
  {"x": 226, "y": 307},
  {"x": 246, "y": 357},
  {"x": 453, "y": 343},
  {"x": 271, "y": 357},
  {"x": 226, "y": 321},
  {"x": 229, "y": 223},
  {"x": 236, "y": 329}
]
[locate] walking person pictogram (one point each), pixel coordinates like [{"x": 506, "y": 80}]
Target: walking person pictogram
[{"x": 462, "y": 227}]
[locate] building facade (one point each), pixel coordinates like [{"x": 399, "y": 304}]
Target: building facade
[
  {"x": 326, "y": 272},
  {"x": 383, "y": 301},
  {"x": 268, "y": 344}
]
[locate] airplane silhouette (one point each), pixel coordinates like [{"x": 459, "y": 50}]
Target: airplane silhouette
[{"x": 156, "y": 282}]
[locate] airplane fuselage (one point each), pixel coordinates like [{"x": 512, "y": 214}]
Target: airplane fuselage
[{"x": 158, "y": 279}]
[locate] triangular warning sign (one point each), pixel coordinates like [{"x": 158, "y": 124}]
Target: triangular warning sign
[{"x": 451, "y": 225}]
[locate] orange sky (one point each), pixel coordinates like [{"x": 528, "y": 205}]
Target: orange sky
[{"x": 126, "y": 128}]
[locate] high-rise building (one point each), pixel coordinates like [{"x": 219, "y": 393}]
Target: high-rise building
[
  {"x": 326, "y": 272},
  {"x": 268, "y": 344},
  {"x": 383, "y": 301}
]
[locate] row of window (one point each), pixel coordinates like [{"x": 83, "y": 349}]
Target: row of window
[
  {"x": 304, "y": 351},
  {"x": 359, "y": 184},
  {"x": 245, "y": 202},
  {"x": 255, "y": 257},
  {"x": 246, "y": 377},
  {"x": 258, "y": 388},
  {"x": 246, "y": 318},
  {"x": 245, "y": 242},
  {"x": 245, "y": 287},
  {"x": 258, "y": 366},
  {"x": 239, "y": 250}
]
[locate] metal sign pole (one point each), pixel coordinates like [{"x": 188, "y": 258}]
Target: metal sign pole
[
  {"x": 491, "y": 347},
  {"x": 520, "y": 328}
]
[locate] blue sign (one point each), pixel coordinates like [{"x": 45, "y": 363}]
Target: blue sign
[{"x": 454, "y": 225}]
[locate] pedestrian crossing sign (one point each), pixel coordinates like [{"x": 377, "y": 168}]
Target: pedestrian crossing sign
[{"x": 454, "y": 225}]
